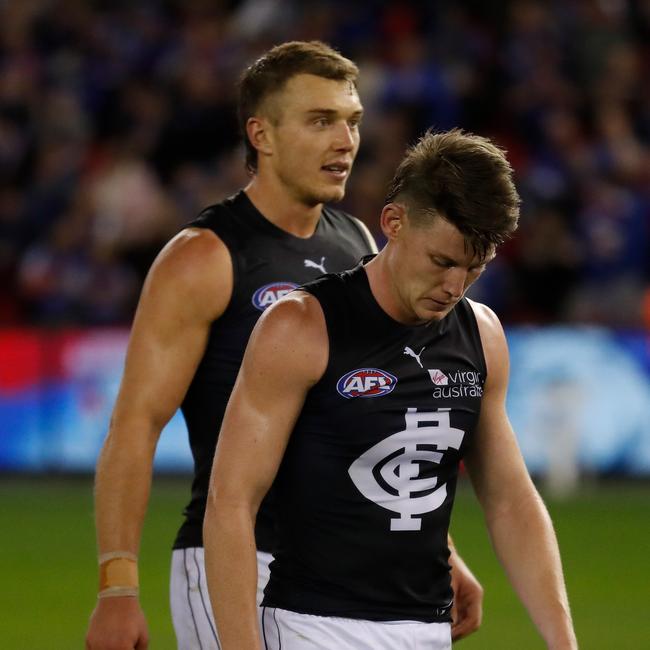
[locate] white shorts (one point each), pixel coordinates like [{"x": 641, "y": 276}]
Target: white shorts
[
  {"x": 284, "y": 630},
  {"x": 190, "y": 604}
]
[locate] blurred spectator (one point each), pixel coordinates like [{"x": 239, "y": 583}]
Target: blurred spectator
[
  {"x": 117, "y": 126},
  {"x": 614, "y": 225}
]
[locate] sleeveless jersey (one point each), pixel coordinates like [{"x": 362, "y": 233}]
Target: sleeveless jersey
[
  {"x": 366, "y": 485},
  {"x": 267, "y": 263}
]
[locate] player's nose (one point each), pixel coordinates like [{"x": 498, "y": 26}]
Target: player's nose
[
  {"x": 454, "y": 282},
  {"x": 345, "y": 138}
]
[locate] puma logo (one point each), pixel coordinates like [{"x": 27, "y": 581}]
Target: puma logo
[
  {"x": 314, "y": 265},
  {"x": 409, "y": 353}
]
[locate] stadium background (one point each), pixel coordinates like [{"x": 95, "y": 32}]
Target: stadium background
[{"x": 117, "y": 126}]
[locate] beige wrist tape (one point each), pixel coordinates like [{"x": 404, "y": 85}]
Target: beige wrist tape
[{"x": 118, "y": 574}]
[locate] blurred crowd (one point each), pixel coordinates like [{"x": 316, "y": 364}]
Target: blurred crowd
[{"x": 117, "y": 125}]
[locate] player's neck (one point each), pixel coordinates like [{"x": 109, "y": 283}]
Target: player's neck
[
  {"x": 283, "y": 210},
  {"x": 384, "y": 291}
]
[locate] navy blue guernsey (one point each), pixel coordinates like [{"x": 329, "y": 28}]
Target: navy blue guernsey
[
  {"x": 267, "y": 263},
  {"x": 365, "y": 488}
]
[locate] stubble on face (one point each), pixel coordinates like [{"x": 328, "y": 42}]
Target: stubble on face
[{"x": 302, "y": 149}]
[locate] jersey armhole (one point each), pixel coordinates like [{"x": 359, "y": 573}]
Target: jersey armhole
[
  {"x": 323, "y": 291},
  {"x": 365, "y": 233},
  {"x": 478, "y": 340},
  {"x": 228, "y": 240}
]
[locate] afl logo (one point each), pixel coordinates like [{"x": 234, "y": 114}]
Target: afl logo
[
  {"x": 366, "y": 382},
  {"x": 268, "y": 294}
]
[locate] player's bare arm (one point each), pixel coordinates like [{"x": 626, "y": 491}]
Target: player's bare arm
[
  {"x": 285, "y": 357},
  {"x": 518, "y": 522},
  {"x": 188, "y": 287}
]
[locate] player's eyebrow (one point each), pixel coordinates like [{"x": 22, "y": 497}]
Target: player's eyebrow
[
  {"x": 332, "y": 111},
  {"x": 445, "y": 259}
]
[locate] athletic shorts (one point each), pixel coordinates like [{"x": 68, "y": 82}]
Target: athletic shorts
[
  {"x": 284, "y": 630},
  {"x": 190, "y": 604}
]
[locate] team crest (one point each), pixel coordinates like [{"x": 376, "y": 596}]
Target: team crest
[
  {"x": 395, "y": 472},
  {"x": 366, "y": 382},
  {"x": 270, "y": 293}
]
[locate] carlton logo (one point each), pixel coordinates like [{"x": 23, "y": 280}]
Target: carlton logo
[
  {"x": 366, "y": 382},
  {"x": 268, "y": 294}
]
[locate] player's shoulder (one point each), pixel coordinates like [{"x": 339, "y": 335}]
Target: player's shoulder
[
  {"x": 293, "y": 331},
  {"x": 194, "y": 268},
  {"x": 493, "y": 338},
  {"x": 296, "y": 318},
  {"x": 486, "y": 319},
  {"x": 296, "y": 314},
  {"x": 194, "y": 250}
]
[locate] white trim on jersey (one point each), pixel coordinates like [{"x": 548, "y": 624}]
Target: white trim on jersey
[
  {"x": 367, "y": 234},
  {"x": 190, "y": 604}
]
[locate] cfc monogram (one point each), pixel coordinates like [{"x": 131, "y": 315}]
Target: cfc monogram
[{"x": 389, "y": 473}]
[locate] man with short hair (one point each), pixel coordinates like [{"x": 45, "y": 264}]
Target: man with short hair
[
  {"x": 358, "y": 396},
  {"x": 300, "y": 113}
]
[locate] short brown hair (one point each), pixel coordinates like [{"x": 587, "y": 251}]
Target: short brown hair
[
  {"x": 271, "y": 72},
  {"x": 464, "y": 178}
]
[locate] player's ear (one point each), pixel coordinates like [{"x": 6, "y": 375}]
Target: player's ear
[
  {"x": 257, "y": 131},
  {"x": 392, "y": 220}
]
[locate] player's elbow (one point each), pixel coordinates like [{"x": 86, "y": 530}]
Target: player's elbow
[
  {"x": 519, "y": 505},
  {"x": 225, "y": 513}
]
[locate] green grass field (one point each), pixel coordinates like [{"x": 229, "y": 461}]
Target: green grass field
[{"x": 47, "y": 565}]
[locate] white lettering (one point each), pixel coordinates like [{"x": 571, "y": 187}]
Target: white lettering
[
  {"x": 464, "y": 377},
  {"x": 450, "y": 392},
  {"x": 355, "y": 384}
]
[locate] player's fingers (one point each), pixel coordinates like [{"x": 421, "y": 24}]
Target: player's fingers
[
  {"x": 458, "y": 630},
  {"x": 454, "y": 613},
  {"x": 467, "y": 622}
]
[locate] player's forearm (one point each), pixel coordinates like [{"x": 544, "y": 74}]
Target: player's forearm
[
  {"x": 526, "y": 545},
  {"x": 122, "y": 485},
  {"x": 231, "y": 568}
]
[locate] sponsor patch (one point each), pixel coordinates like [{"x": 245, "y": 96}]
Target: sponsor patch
[
  {"x": 366, "y": 382},
  {"x": 456, "y": 383},
  {"x": 438, "y": 377},
  {"x": 270, "y": 293}
]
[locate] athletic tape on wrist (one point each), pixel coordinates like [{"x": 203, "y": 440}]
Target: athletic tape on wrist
[
  {"x": 114, "y": 592},
  {"x": 111, "y": 555},
  {"x": 118, "y": 574}
]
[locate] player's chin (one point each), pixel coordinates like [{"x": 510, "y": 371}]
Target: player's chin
[
  {"x": 429, "y": 315},
  {"x": 333, "y": 193}
]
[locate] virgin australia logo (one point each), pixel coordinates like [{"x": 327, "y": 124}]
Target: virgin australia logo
[
  {"x": 396, "y": 473},
  {"x": 456, "y": 383},
  {"x": 438, "y": 377}
]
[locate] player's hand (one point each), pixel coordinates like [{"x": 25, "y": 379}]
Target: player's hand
[
  {"x": 117, "y": 624},
  {"x": 467, "y": 611}
]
